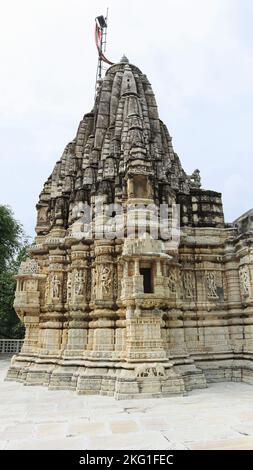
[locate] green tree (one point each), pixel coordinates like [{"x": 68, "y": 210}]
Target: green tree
[{"x": 13, "y": 245}]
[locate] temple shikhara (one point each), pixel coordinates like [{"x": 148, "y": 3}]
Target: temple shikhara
[{"x": 119, "y": 307}]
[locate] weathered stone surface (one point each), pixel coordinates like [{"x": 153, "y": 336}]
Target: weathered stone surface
[
  {"x": 219, "y": 416},
  {"x": 110, "y": 313}
]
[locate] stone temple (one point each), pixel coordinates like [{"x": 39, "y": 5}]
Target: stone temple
[{"x": 133, "y": 315}]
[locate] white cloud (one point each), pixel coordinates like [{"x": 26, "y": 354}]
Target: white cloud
[{"x": 197, "y": 54}]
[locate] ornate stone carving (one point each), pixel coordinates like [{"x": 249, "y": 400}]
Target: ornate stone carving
[
  {"x": 195, "y": 179},
  {"x": 139, "y": 331},
  {"x": 172, "y": 282},
  {"x": 148, "y": 370},
  {"x": 79, "y": 283},
  {"x": 188, "y": 285},
  {"x": 244, "y": 277},
  {"x": 211, "y": 285},
  {"x": 106, "y": 278},
  {"x": 30, "y": 266},
  {"x": 30, "y": 285},
  {"x": 69, "y": 286},
  {"x": 55, "y": 287}
]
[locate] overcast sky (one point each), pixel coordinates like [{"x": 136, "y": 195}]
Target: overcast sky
[{"x": 197, "y": 54}]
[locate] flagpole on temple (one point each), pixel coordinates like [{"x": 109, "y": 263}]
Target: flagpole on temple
[{"x": 100, "y": 39}]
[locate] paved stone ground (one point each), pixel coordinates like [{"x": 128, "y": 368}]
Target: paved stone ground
[{"x": 220, "y": 417}]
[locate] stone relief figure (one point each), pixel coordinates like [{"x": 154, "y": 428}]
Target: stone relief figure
[
  {"x": 195, "y": 179},
  {"x": 55, "y": 286},
  {"x": 105, "y": 278},
  {"x": 244, "y": 277},
  {"x": 172, "y": 282},
  {"x": 211, "y": 285},
  {"x": 145, "y": 370},
  {"x": 69, "y": 286},
  {"x": 188, "y": 285},
  {"x": 79, "y": 283}
]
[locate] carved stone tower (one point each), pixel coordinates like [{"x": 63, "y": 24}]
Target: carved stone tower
[{"x": 130, "y": 309}]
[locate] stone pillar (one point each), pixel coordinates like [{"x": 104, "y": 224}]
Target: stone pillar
[
  {"x": 103, "y": 314},
  {"x": 136, "y": 267},
  {"x": 158, "y": 280},
  {"x": 52, "y": 319},
  {"x": 78, "y": 294}
]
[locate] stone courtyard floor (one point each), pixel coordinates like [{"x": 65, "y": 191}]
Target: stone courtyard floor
[{"x": 220, "y": 417}]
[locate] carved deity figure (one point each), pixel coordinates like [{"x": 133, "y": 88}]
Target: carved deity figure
[
  {"x": 55, "y": 286},
  {"x": 211, "y": 285},
  {"x": 106, "y": 278},
  {"x": 172, "y": 282},
  {"x": 188, "y": 285},
  {"x": 79, "y": 283},
  {"x": 244, "y": 277}
]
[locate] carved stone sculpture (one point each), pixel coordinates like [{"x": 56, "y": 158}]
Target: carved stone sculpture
[
  {"x": 151, "y": 313},
  {"x": 245, "y": 283}
]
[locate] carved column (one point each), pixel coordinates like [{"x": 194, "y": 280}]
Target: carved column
[
  {"x": 52, "y": 318},
  {"x": 103, "y": 302},
  {"x": 78, "y": 294}
]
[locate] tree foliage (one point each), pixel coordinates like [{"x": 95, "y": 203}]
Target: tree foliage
[{"x": 13, "y": 245}]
